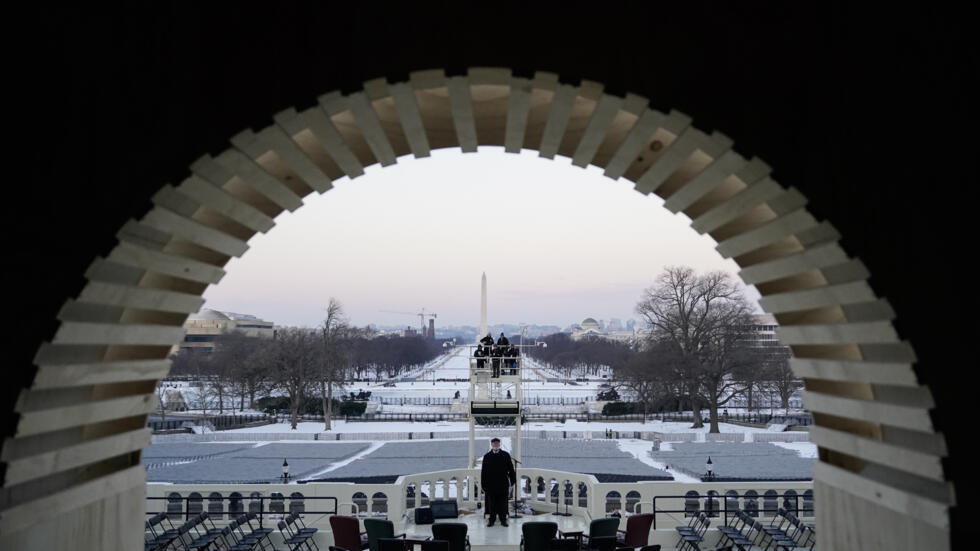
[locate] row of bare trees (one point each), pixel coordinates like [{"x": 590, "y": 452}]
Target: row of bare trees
[
  {"x": 301, "y": 363},
  {"x": 589, "y": 355},
  {"x": 703, "y": 348}
]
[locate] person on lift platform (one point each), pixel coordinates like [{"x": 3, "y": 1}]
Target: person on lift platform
[
  {"x": 479, "y": 355},
  {"x": 497, "y": 355},
  {"x": 512, "y": 353}
]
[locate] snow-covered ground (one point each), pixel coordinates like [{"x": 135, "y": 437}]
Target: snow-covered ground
[
  {"x": 640, "y": 449},
  {"x": 455, "y": 365},
  {"x": 804, "y": 449},
  {"x": 450, "y": 426}
]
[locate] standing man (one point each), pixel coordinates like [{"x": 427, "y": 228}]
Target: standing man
[{"x": 496, "y": 477}]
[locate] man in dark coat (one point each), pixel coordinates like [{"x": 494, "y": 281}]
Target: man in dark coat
[
  {"x": 502, "y": 340},
  {"x": 512, "y": 353},
  {"x": 496, "y": 356},
  {"x": 496, "y": 478}
]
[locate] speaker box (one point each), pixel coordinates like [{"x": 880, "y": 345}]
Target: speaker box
[{"x": 423, "y": 515}]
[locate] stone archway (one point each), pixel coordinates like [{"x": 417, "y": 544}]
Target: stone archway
[{"x": 75, "y": 457}]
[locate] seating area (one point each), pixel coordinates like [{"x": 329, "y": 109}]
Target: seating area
[
  {"x": 784, "y": 532},
  {"x": 692, "y": 535},
  {"x": 789, "y": 533},
  {"x": 199, "y": 533},
  {"x": 296, "y": 535},
  {"x": 739, "y": 531},
  {"x": 602, "y": 536}
]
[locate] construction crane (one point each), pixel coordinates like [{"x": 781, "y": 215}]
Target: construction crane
[{"x": 422, "y": 315}]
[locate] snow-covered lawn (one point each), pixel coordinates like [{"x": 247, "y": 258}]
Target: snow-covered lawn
[
  {"x": 804, "y": 449},
  {"x": 640, "y": 449},
  {"x": 456, "y": 366},
  {"x": 449, "y": 426}
]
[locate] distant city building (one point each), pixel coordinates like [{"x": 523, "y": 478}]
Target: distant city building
[
  {"x": 592, "y": 328},
  {"x": 201, "y": 329},
  {"x": 764, "y": 328},
  {"x": 614, "y": 325}
]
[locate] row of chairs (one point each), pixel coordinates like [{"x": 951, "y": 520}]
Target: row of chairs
[
  {"x": 789, "y": 533},
  {"x": 296, "y": 535},
  {"x": 785, "y": 531},
  {"x": 602, "y": 536},
  {"x": 199, "y": 533},
  {"x": 692, "y": 535}
]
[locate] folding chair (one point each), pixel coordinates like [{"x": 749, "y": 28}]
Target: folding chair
[
  {"x": 744, "y": 540},
  {"x": 774, "y": 531},
  {"x": 693, "y": 540},
  {"x": 689, "y": 530},
  {"x": 260, "y": 534},
  {"x": 295, "y": 543},
  {"x": 295, "y": 531},
  {"x": 303, "y": 529}
]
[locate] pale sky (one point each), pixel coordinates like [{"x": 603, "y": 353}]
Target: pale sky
[{"x": 558, "y": 244}]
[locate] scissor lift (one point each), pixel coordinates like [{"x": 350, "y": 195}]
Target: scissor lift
[{"x": 491, "y": 379}]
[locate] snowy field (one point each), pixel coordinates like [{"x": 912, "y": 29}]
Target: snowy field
[
  {"x": 452, "y": 366},
  {"x": 387, "y": 455},
  {"x": 249, "y": 462},
  {"x": 597, "y": 427},
  {"x": 455, "y": 365}
]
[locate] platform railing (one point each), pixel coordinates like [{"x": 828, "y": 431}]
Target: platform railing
[{"x": 544, "y": 490}]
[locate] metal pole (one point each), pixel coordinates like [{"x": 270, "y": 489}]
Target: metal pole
[{"x": 472, "y": 461}]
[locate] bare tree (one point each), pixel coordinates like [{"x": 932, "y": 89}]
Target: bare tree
[
  {"x": 241, "y": 366},
  {"x": 636, "y": 377},
  {"x": 778, "y": 374},
  {"x": 293, "y": 361},
  {"x": 336, "y": 344},
  {"x": 703, "y": 321}
]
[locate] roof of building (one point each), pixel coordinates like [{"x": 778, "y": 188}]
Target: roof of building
[
  {"x": 210, "y": 314},
  {"x": 244, "y": 317},
  {"x": 589, "y": 323},
  {"x": 765, "y": 319}
]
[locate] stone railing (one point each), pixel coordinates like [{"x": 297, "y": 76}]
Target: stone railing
[{"x": 541, "y": 489}]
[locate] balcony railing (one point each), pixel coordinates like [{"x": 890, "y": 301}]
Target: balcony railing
[{"x": 541, "y": 489}]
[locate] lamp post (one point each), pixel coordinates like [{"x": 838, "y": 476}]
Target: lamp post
[
  {"x": 285, "y": 470},
  {"x": 710, "y": 476}
]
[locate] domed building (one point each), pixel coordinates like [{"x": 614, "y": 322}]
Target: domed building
[
  {"x": 592, "y": 328},
  {"x": 203, "y": 327}
]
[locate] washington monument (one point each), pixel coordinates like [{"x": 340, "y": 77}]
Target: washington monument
[{"x": 483, "y": 307}]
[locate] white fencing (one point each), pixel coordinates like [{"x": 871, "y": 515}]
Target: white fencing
[
  {"x": 781, "y": 437},
  {"x": 481, "y": 433},
  {"x": 233, "y": 437},
  {"x": 674, "y": 436},
  {"x": 725, "y": 437}
]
